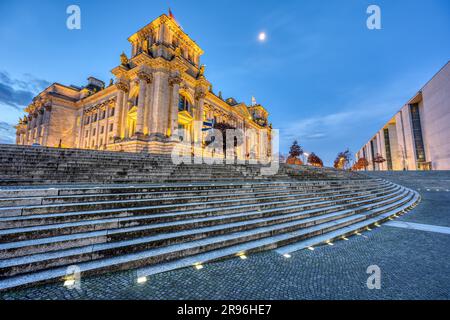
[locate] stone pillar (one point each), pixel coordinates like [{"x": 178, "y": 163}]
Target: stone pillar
[
  {"x": 173, "y": 118},
  {"x": 46, "y": 128},
  {"x": 39, "y": 121},
  {"x": 105, "y": 133},
  {"x": 80, "y": 129},
  {"x": 160, "y": 114},
  {"x": 200, "y": 97},
  {"x": 97, "y": 130},
  {"x": 144, "y": 79},
  {"x": 148, "y": 108},
  {"x": 120, "y": 110}
]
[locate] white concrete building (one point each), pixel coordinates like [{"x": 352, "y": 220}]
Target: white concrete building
[{"x": 418, "y": 136}]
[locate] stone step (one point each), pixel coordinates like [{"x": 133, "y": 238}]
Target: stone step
[
  {"x": 91, "y": 189},
  {"x": 27, "y": 233},
  {"x": 15, "y": 249},
  {"x": 348, "y": 231},
  {"x": 209, "y": 208},
  {"x": 115, "y": 203},
  {"x": 28, "y": 201},
  {"x": 271, "y": 243},
  {"x": 274, "y": 236},
  {"x": 35, "y": 262}
]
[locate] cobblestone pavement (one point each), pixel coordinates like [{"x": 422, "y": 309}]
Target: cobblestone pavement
[{"x": 414, "y": 265}]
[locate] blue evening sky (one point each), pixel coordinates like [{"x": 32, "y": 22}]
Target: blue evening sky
[{"x": 324, "y": 77}]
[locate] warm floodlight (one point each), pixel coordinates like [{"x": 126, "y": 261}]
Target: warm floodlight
[{"x": 141, "y": 280}]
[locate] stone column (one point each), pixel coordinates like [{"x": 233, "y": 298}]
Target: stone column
[
  {"x": 106, "y": 126},
  {"x": 80, "y": 129},
  {"x": 38, "y": 126},
  {"x": 174, "y": 84},
  {"x": 200, "y": 97},
  {"x": 123, "y": 89},
  {"x": 97, "y": 130},
  {"x": 33, "y": 128},
  {"x": 144, "y": 79},
  {"x": 148, "y": 108},
  {"x": 160, "y": 114},
  {"x": 47, "y": 115}
]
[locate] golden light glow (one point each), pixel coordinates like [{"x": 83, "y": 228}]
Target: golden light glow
[
  {"x": 287, "y": 256},
  {"x": 141, "y": 280},
  {"x": 311, "y": 248},
  {"x": 69, "y": 282},
  {"x": 198, "y": 266}
]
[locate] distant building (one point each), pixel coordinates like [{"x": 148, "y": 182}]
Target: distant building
[
  {"x": 159, "y": 90},
  {"x": 418, "y": 136}
]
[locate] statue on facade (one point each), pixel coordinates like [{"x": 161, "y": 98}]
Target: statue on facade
[
  {"x": 177, "y": 52},
  {"x": 124, "y": 59},
  {"x": 201, "y": 72},
  {"x": 145, "y": 47}
]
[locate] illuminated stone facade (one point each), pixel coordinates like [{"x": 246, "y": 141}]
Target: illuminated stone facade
[
  {"x": 159, "y": 90},
  {"x": 418, "y": 136}
]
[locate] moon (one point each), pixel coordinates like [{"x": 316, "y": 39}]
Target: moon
[{"x": 262, "y": 36}]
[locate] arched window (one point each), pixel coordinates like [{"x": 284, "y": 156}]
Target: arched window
[{"x": 184, "y": 104}]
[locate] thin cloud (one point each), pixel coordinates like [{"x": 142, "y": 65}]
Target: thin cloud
[
  {"x": 7, "y": 133},
  {"x": 17, "y": 93}
]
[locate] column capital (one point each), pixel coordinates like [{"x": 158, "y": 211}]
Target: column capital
[
  {"x": 145, "y": 76},
  {"x": 122, "y": 86},
  {"x": 175, "y": 81},
  {"x": 200, "y": 94}
]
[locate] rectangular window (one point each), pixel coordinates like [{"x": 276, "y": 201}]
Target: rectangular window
[
  {"x": 111, "y": 127},
  {"x": 102, "y": 130},
  {"x": 94, "y": 132},
  {"x": 417, "y": 132},
  {"x": 372, "y": 152},
  {"x": 387, "y": 143},
  {"x": 87, "y": 134},
  {"x": 111, "y": 112}
]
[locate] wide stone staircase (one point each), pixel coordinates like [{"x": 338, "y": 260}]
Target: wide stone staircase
[{"x": 187, "y": 215}]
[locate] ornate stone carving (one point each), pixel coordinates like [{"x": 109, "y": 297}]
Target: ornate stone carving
[
  {"x": 177, "y": 52},
  {"x": 147, "y": 77},
  {"x": 175, "y": 80},
  {"x": 124, "y": 59},
  {"x": 201, "y": 72},
  {"x": 200, "y": 94},
  {"x": 123, "y": 86}
]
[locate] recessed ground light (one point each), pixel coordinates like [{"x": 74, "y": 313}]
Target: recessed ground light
[
  {"x": 141, "y": 280},
  {"x": 358, "y": 234},
  {"x": 311, "y": 248},
  {"x": 69, "y": 282},
  {"x": 198, "y": 266},
  {"x": 377, "y": 225},
  {"x": 368, "y": 229},
  {"x": 243, "y": 257},
  {"x": 287, "y": 256},
  {"x": 330, "y": 243}
]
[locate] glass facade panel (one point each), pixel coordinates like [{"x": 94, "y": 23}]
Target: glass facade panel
[
  {"x": 417, "y": 132},
  {"x": 387, "y": 143}
]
